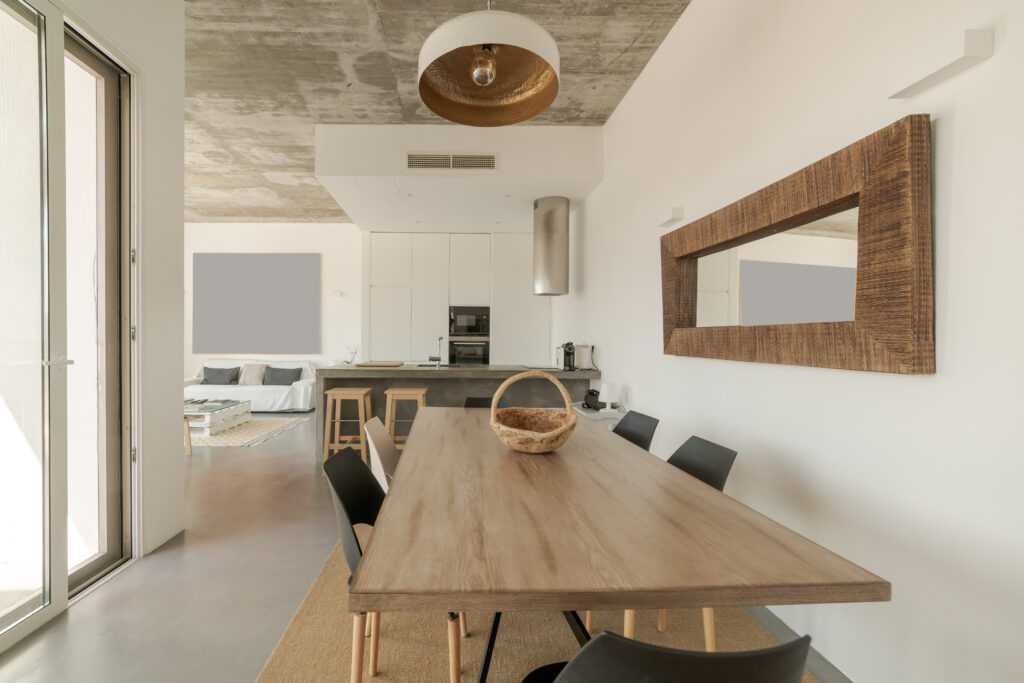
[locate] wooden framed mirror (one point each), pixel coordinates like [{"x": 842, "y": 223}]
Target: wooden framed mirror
[{"x": 835, "y": 262}]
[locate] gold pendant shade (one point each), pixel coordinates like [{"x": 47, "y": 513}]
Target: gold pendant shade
[
  {"x": 525, "y": 86},
  {"x": 525, "y": 65}
]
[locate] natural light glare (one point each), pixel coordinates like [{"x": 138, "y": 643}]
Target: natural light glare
[{"x": 21, "y": 343}]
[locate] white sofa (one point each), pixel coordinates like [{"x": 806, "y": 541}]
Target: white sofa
[{"x": 297, "y": 396}]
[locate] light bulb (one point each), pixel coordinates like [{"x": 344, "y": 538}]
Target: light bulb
[{"x": 484, "y": 68}]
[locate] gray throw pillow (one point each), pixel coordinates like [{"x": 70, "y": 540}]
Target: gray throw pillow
[
  {"x": 220, "y": 375},
  {"x": 280, "y": 376}
]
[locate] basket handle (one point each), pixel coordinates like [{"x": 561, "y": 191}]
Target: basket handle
[{"x": 526, "y": 375}]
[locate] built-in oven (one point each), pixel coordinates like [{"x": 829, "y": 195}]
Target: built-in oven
[
  {"x": 469, "y": 321},
  {"x": 469, "y": 350}
]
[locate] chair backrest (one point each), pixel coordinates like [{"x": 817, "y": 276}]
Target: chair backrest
[
  {"x": 484, "y": 402},
  {"x": 383, "y": 453},
  {"x": 357, "y": 499},
  {"x": 610, "y": 658},
  {"x": 638, "y": 428},
  {"x": 705, "y": 460}
]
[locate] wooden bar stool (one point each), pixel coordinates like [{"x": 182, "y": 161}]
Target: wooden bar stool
[
  {"x": 390, "y": 410},
  {"x": 335, "y": 399}
]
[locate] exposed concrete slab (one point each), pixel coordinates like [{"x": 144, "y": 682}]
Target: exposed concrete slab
[{"x": 259, "y": 75}]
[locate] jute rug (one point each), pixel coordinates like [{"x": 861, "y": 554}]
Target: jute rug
[
  {"x": 257, "y": 430},
  {"x": 414, "y": 645}
]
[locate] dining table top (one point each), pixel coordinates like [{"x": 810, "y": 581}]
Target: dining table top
[{"x": 469, "y": 524}]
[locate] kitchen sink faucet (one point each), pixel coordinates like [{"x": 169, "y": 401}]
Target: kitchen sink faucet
[{"x": 437, "y": 359}]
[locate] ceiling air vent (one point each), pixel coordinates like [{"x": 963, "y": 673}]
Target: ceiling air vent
[
  {"x": 429, "y": 160},
  {"x": 473, "y": 161},
  {"x": 459, "y": 161}
]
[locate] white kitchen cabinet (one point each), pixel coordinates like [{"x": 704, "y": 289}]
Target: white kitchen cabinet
[
  {"x": 520, "y": 320},
  {"x": 390, "y": 259},
  {"x": 390, "y": 323},
  {"x": 470, "y": 269},
  {"x": 430, "y": 284}
]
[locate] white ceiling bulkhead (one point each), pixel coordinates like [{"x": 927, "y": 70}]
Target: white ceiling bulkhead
[{"x": 426, "y": 178}]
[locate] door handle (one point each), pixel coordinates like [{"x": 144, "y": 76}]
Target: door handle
[{"x": 62, "y": 363}]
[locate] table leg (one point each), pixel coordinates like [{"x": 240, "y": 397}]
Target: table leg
[
  {"x": 489, "y": 651},
  {"x": 454, "y": 649},
  {"x": 463, "y": 625},
  {"x": 662, "y": 620},
  {"x": 188, "y": 438},
  {"x": 577, "y": 627},
  {"x": 709, "y": 628},
  {"x": 358, "y": 624}
]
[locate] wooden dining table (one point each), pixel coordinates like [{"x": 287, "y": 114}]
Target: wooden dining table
[{"x": 469, "y": 524}]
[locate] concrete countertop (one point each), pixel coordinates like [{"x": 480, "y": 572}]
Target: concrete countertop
[{"x": 412, "y": 371}]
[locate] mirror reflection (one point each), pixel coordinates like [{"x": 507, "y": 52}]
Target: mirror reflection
[{"x": 807, "y": 274}]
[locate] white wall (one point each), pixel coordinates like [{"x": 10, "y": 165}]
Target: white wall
[
  {"x": 150, "y": 37},
  {"x": 340, "y": 245},
  {"x": 915, "y": 478}
]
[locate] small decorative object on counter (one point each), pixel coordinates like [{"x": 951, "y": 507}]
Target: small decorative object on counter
[{"x": 533, "y": 430}]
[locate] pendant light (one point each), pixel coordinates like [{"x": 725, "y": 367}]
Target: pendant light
[{"x": 488, "y": 68}]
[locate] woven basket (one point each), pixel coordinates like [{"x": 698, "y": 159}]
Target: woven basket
[{"x": 533, "y": 430}]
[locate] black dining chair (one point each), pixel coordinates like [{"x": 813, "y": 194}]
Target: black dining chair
[
  {"x": 710, "y": 463},
  {"x": 704, "y": 460},
  {"x": 357, "y": 498},
  {"x": 610, "y": 658},
  {"x": 637, "y": 428},
  {"x": 484, "y": 402}
]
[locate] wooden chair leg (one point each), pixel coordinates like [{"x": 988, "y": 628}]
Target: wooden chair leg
[
  {"x": 709, "y": 628},
  {"x": 188, "y": 438},
  {"x": 588, "y": 621},
  {"x": 374, "y": 641},
  {"x": 662, "y": 620},
  {"x": 454, "y": 650},
  {"x": 389, "y": 416},
  {"x": 358, "y": 624},
  {"x": 629, "y": 623},
  {"x": 328, "y": 416},
  {"x": 361, "y": 439},
  {"x": 463, "y": 625}
]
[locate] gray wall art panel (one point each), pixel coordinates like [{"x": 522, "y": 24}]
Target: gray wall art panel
[
  {"x": 256, "y": 303},
  {"x": 786, "y": 293}
]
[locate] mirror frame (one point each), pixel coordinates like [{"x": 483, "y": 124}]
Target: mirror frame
[{"x": 888, "y": 176}]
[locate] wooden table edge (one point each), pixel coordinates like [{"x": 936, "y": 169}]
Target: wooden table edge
[{"x": 526, "y": 601}]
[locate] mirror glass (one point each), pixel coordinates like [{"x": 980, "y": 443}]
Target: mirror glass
[{"x": 807, "y": 274}]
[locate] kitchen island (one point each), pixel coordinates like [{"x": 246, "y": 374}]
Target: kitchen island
[{"x": 447, "y": 386}]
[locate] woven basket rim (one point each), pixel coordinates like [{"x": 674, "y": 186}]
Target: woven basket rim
[{"x": 568, "y": 421}]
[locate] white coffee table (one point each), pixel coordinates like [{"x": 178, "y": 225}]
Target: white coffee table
[{"x": 214, "y": 417}]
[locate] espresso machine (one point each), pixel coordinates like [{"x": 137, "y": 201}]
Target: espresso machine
[
  {"x": 580, "y": 358},
  {"x": 568, "y": 356}
]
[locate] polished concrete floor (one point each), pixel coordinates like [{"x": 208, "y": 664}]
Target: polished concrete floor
[{"x": 211, "y": 604}]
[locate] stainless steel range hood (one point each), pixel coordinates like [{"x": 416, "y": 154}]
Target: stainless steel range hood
[{"x": 551, "y": 246}]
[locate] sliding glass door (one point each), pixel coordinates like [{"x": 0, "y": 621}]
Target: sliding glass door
[
  {"x": 32, "y": 312},
  {"x": 98, "y": 537}
]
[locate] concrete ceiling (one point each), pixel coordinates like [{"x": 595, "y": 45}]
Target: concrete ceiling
[{"x": 261, "y": 73}]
